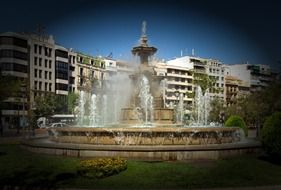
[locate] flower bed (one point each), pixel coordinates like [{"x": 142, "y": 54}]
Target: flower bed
[{"x": 102, "y": 167}]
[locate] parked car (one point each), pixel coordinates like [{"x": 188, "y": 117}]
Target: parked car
[{"x": 57, "y": 125}]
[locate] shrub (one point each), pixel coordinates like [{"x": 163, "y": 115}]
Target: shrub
[
  {"x": 271, "y": 134},
  {"x": 236, "y": 121},
  {"x": 101, "y": 167}
]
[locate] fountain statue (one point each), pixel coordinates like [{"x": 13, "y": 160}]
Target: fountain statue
[{"x": 146, "y": 104}]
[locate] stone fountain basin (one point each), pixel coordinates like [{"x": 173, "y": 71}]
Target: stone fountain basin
[{"x": 146, "y": 136}]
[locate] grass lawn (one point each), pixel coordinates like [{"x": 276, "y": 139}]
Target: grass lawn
[{"x": 21, "y": 168}]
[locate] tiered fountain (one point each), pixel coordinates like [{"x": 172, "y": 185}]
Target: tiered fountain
[
  {"x": 146, "y": 104},
  {"x": 145, "y": 129}
]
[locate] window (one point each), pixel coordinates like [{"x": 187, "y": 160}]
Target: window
[
  {"x": 50, "y": 86},
  {"x": 40, "y": 50},
  {"x": 71, "y": 68},
  {"x": 71, "y": 80},
  {"x": 46, "y": 86},
  {"x": 35, "y": 60},
  {"x": 46, "y": 51},
  {"x": 46, "y": 63},
  {"x": 46, "y": 74},
  {"x": 35, "y": 73},
  {"x": 35, "y": 48},
  {"x": 60, "y": 86},
  {"x": 50, "y": 64},
  {"x": 69, "y": 58},
  {"x": 7, "y": 40},
  {"x": 50, "y": 52},
  {"x": 40, "y": 62},
  {"x": 35, "y": 85},
  {"x": 13, "y": 54},
  {"x": 13, "y": 67},
  {"x": 50, "y": 75},
  {"x": 40, "y": 85},
  {"x": 40, "y": 73},
  {"x": 61, "y": 53},
  {"x": 62, "y": 70}
]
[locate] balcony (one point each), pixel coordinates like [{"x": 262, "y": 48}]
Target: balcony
[
  {"x": 185, "y": 98},
  {"x": 202, "y": 71},
  {"x": 180, "y": 90},
  {"x": 179, "y": 83},
  {"x": 180, "y": 76}
]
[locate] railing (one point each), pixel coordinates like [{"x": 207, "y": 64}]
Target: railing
[{"x": 179, "y": 75}]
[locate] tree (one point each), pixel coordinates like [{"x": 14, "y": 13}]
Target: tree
[
  {"x": 45, "y": 105},
  {"x": 9, "y": 86},
  {"x": 255, "y": 107},
  {"x": 72, "y": 102},
  {"x": 217, "y": 110},
  {"x": 204, "y": 81},
  {"x": 271, "y": 135},
  {"x": 61, "y": 104},
  {"x": 237, "y": 121}
]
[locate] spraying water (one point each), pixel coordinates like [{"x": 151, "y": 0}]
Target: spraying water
[
  {"x": 202, "y": 107},
  {"x": 104, "y": 106},
  {"x": 81, "y": 108},
  {"x": 93, "y": 110},
  {"x": 180, "y": 109},
  {"x": 146, "y": 100},
  {"x": 104, "y": 109}
]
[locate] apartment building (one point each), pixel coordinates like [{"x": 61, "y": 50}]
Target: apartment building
[
  {"x": 73, "y": 71},
  {"x": 179, "y": 80},
  {"x": 46, "y": 67},
  {"x": 90, "y": 72},
  {"x": 258, "y": 76},
  {"x": 41, "y": 66},
  {"x": 124, "y": 67},
  {"x": 235, "y": 88},
  {"x": 216, "y": 70},
  {"x": 14, "y": 61}
]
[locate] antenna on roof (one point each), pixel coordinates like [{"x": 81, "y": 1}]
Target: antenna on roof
[
  {"x": 110, "y": 55},
  {"x": 40, "y": 30}
]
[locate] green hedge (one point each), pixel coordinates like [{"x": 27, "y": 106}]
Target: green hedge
[
  {"x": 236, "y": 121},
  {"x": 101, "y": 167},
  {"x": 271, "y": 134}
]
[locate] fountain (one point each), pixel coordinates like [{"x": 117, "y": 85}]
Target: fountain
[
  {"x": 136, "y": 124},
  {"x": 144, "y": 120}
]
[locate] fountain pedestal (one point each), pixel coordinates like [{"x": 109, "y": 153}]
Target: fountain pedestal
[{"x": 161, "y": 115}]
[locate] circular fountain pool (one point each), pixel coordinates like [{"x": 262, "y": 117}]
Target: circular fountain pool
[
  {"x": 146, "y": 136},
  {"x": 158, "y": 143}
]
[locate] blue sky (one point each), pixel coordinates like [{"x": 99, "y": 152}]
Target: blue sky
[{"x": 233, "y": 32}]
